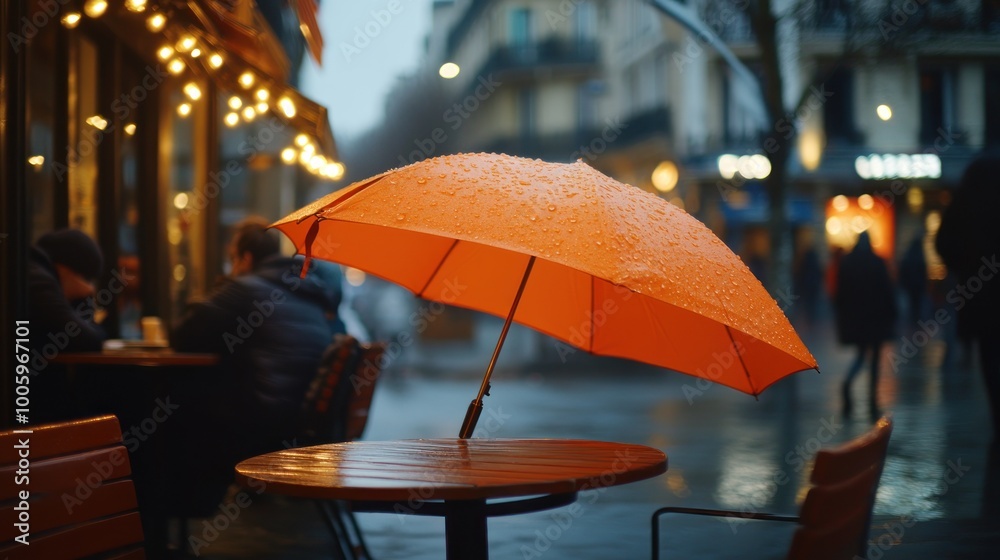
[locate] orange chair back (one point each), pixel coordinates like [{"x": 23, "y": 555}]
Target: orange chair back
[
  {"x": 836, "y": 514},
  {"x": 80, "y": 500}
]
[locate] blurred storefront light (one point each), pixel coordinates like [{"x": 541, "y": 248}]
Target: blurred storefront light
[
  {"x": 156, "y": 22},
  {"x": 95, "y": 8},
  {"x": 175, "y": 66},
  {"x": 231, "y": 119},
  {"x": 71, "y": 20},
  {"x": 164, "y": 52},
  {"x": 181, "y": 201},
  {"x": 97, "y": 121},
  {"x": 810, "y": 149},
  {"x": 884, "y": 112},
  {"x": 354, "y": 276},
  {"x": 915, "y": 199},
  {"x": 754, "y": 166},
  {"x": 287, "y": 107},
  {"x": 288, "y": 155},
  {"x": 247, "y": 80},
  {"x": 665, "y": 176},
  {"x": 130, "y": 129},
  {"x": 215, "y": 60},
  {"x": 866, "y": 202},
  {"x": 847, "y": 217},
  {"x": 898, "y": 166}
]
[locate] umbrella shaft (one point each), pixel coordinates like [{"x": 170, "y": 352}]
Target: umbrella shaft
[{"x": 477, "y": 405}]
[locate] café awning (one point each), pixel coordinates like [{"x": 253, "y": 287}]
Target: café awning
[{"x": 231, "y": 43}]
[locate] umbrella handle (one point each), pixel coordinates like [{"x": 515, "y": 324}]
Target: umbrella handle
[{"x": 471, "y": 418}]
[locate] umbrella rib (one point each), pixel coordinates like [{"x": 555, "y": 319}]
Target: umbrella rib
[
  {"x": 593, "y": 297},
  {"x": 437, "y": 268},
  {"x": 742, "y": 363}
]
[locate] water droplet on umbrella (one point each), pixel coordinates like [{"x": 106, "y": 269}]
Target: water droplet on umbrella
[{"x": 400, "y": 217}]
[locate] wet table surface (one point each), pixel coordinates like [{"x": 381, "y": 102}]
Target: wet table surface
[{"x": 413, "y": 476}]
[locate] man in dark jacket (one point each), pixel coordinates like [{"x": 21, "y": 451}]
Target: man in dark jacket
[
  {"x": 62, "y": 268},
  {"x": 271, "y": 327},
  {"x": 865, "y": 303}
]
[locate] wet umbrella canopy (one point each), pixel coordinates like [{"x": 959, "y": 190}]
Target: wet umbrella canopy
[{"x": 614, "y": 270}]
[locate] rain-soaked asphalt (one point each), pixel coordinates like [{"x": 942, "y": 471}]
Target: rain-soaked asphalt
[{"x": 725, "y": 450}]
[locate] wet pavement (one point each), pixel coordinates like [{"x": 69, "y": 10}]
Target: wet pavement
[{"x": 725, "y": 449}]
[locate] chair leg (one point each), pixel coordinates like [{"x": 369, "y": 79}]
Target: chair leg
[
  {"x": 342, "y": 545},
  {"x": 361, "y": 546}
]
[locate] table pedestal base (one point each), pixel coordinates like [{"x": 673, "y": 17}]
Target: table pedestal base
[{"x": 465, "y": 530}]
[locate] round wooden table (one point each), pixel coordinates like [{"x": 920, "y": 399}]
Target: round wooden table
[
  {"x": 453, "y": 478},
  {"x": 145, "y": 358}
]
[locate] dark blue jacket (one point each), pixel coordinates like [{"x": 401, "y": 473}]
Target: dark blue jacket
[{"x": 271, "y": 328}]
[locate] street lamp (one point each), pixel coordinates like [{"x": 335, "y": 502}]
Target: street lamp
[{"x": 449, "y": 70}]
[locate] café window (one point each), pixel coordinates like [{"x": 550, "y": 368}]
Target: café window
[
  {"x": 45, "y": 163},
  {"x": 261, "y": 158},
  {"x": 186, "y": 198},
  {"x": 87, "y": 126}
]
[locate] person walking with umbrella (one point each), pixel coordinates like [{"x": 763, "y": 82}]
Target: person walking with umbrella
[{"x": 865, "y": 305}]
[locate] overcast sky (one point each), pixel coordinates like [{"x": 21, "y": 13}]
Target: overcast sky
[{"x": 365, "y": 47}]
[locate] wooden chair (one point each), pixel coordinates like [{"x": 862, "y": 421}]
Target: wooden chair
[
  {"x": 336, "y": 409},
  {"x": 81, "y": 502},
  {"x": 836, "y": 514}
]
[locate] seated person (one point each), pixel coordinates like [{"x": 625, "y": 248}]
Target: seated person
[
  {"x": 62, "y": 268},
  {"x": 270, "y": 326}
]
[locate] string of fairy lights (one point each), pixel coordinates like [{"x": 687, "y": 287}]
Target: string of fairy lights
[{"x": 188, "y": 49}]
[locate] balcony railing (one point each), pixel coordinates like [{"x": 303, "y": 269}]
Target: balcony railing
[{"x": 549, "y": 54}]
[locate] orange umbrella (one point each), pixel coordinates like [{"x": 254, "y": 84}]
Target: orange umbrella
[{"x": 566, "y": 250}]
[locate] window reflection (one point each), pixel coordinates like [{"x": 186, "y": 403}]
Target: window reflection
[
  {"x": 41, "y": 177},
  {"x": 86, "y": 131}
]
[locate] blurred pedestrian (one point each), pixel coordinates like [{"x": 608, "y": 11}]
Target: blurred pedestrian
[
  {"x": 913, "y": 278},
  {"x": 969, "y": 243},
  {"x": 808, "y": 278},
  {"x": 865, "y": 305},
  {"x": 62, "y": 268}
]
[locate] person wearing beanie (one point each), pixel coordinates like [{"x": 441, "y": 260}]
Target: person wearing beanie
[{"x": 62, "y": 268}]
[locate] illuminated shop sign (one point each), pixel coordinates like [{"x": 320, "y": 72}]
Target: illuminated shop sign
[{"x": 898, "y": 166}]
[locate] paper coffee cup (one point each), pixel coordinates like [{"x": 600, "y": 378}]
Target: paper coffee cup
[{"x": 152, "y": 329}]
